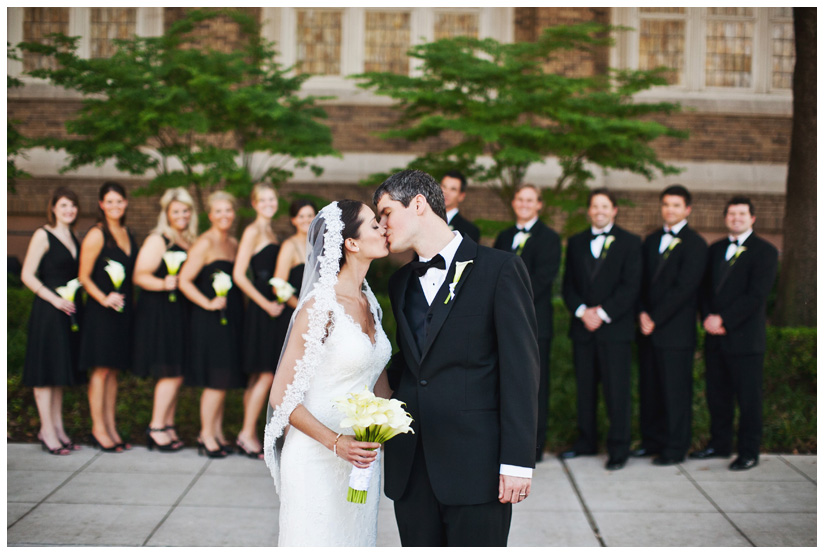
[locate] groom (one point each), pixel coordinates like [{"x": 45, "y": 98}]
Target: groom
[{"x": 467, "y": 370}]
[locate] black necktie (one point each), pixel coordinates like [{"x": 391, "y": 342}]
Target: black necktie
[{"x": 420, "y": 268}]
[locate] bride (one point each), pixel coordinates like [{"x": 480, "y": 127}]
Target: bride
[{"x": 335, "y": 345}]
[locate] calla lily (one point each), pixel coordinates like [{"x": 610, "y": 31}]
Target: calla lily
[
  {"x": 459, "y": 269},
  {"x": 67, "y": 292},
  {"x": 222, "y": 283},
  {"x": 283, "y": 289},
  {"x": 117, "y": 274},
  {"x": 173, "y": 260}
]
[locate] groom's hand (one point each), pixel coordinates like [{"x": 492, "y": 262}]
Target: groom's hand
[{"x": 512, "y": 489}]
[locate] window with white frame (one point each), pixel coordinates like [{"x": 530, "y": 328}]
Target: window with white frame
[{"x": 736, "y": 49}]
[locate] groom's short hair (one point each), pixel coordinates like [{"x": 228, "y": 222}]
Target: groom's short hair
[{"x": 406, "y": 185}]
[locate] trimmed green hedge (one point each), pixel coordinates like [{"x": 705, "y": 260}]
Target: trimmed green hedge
[{"x": 789, "y": 390}]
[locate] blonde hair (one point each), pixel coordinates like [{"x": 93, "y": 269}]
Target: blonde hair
[
  {"x": 260, "y": 188},
  {"x": 218, "y": 196},
  {"x": 181, "y": 195}
]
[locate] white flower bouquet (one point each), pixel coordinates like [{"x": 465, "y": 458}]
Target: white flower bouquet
[
  {"x": 283, "y": 289},
  {"x": 173, "y": 260},
  {"x": 67, "y": 292},
  {"x": 221, "y": 283},
  {"x": 372, "y": 419},
  {"x": 117, "y": 274}
]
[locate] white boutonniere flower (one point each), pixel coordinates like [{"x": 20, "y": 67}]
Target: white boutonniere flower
[
  {"x": 173, "y": 261},
  {"x": 607, "y": 242},
  {"x": 459, "y": 269},
  {"x": 671, "y": 246},
  {"x": 283, "y": 289},
  {"x": 737, "y": 254},
  {"x": 520, "y": 247}
]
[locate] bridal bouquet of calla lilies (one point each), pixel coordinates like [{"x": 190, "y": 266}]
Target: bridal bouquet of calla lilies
[
  {"x": 117, "y": 274},
  {"x": 221, "y": 283},
  {"x": 173, "y": 260},
  {"x": 67, "y": 292},
  {"x": 283, "y": 289},
  {"x": 372, "y": 419}
]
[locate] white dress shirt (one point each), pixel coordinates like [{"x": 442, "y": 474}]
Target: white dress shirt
[
  {"x": 519, "y": 237},
  {"x": 740, "y": 239},
  {"x": 431, "y": 282},
  {"x": 451, "y": 214},
  {"x": 596, "y": 246},
  {"x": 667, "y": 238}
]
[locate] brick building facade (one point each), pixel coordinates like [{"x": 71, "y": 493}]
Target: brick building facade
[{"x": 739, "y": 135}]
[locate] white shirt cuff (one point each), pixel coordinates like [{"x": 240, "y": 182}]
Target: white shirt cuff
[
  {"x": 603, "y": 315},
  {"x": 517, "y": 471},
  {"x": 580, "y": 311}
]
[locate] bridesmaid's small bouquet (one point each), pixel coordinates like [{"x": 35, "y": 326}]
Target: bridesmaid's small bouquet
[
  {"x": 283, "y": 289},
  {"x": 173, "y": 260},
  {"x": 221, "y": 283},
  {"x": 67, "y": 292},
  {"x": 372, "y": 419},
  {"x": 117, "y": 274}
]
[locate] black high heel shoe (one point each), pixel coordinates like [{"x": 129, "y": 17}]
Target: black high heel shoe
[
  {"x": 61, "y": 451},
  {"x": 176, "y": 442},
  {"x": 164, "y": 448},
  {"x": 218, "y": 453},
  {"x": 96, "y": 444},
  {"x": 71, "y": 446},
  {"x": 226, "y": 448},
  {"x": 242, "y": 450}
]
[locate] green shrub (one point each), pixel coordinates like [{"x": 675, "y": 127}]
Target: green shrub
[{"x": 789, "y": 390}]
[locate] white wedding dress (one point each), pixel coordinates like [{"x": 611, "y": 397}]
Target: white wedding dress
[{"x": 314, "y": 509}]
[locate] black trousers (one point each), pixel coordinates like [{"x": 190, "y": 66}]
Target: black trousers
[
  {"x": 544, "y": 393},
  {"x": 424, "y": 522},
  {"x": 729, "y": 379},
  {"x": 608, "y": 362},
  {"x": 665, "y": 398}
]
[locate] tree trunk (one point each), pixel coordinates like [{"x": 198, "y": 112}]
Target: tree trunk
[{"x": 796, "y": 300}]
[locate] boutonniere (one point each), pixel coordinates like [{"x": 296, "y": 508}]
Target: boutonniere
[
  {"x": 607, "y": 242},
  {"x": 671, "y": 246},
  {"x": 737, "y": 254},
  {"x": 459, "y": 269},
  {"x": 520, "y": 246}
]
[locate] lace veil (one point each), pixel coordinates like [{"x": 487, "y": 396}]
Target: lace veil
[{"x": 324, "y": 248}]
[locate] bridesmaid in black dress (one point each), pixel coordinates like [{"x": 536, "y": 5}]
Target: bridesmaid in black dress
[
  {"x": 293, "y": 254},
  {"x": 52, "y": 346},
  {"x": 162, "y": 314},
  {"x": 216, "y": 322},
  {"x": 106, "y": 341},
  {"x": 263, "y": 335}
]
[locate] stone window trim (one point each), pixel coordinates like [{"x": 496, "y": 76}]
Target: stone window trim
[{"x": 760, "y": 98}]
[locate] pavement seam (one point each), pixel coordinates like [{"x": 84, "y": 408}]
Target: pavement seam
[
  {"x": 177, "y": 502},
  {"x": 55, "y": 490},
  {"x": 717, "y": 507},
  {"x": 789, "y": 463},
  {"x": 590, "y": 519}
]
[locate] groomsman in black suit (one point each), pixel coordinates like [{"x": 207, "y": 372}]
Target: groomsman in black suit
[
  {"x": 739, "y": 276},
  {"x": 454, "y": 187},
  {"x": 467, "y": 369},
  {"x": 601, "y": 289},
  {"x": 673, "y": 265},
  {"x": 540, "y": 249}
]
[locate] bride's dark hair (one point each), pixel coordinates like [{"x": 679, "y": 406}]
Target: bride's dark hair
[{"x": 352, "y": 220}]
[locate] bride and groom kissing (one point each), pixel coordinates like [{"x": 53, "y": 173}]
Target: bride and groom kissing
[{"x": 467, "y": 369}]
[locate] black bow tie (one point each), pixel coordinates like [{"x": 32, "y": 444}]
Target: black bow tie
[
  {"x": 670, "y": 232},
  {"x": 420, "y": 268},
  {"x": 733, "y": 242},
  {"x": 593, "y": 236},
  {"x": 521, "y": 229}
]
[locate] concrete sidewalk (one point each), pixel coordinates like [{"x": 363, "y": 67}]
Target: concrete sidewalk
[{"x": 179, "y": 499}]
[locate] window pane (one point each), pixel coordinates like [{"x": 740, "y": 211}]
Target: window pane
[
  {"x": 729, "y": 61},
  {"x": 782, "y": 55},
  {"x": 662, "y": 43},
  {"x": 108, "y": 24},
  {"x": 738, "y": 12},
  {"x": 662, "y": 10},
  {"x": 386, "y": 41},
  {"x": 37, "y": 23},
  {"x": 782, "y": 13},
  {"x": 319, "y": 42},
  {"x": 449, "y": 25}
]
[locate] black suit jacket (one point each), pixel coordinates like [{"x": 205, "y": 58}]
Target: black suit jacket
[
  {"x": 670, "y": 287},
  {"x": 466, "y": 227},
  {"x": 542, "y": 256},
  {"x": 472, "y": 389},
  {"x": 738, "y": 293},
  {"x": 611, "y": 281}
]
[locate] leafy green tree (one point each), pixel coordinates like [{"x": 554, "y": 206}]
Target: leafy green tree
[
  {"x": 499, "y": 101},
  {"x": 16, "y": 142},
  {"x": 187, "y": 114}
]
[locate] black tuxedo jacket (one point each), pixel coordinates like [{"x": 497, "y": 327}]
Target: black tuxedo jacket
[
  {"x": 466, "y": 227},
  {"x": 611, "y": 281},
  {"x": 738, "y": 293},
  {"x": 542, "y": 256},
  {"x": 472, "y": 389},
  {"x": 670, "y": 287}
]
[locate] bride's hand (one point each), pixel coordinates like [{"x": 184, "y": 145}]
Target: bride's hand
[{"x": 359, "y": 453}]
